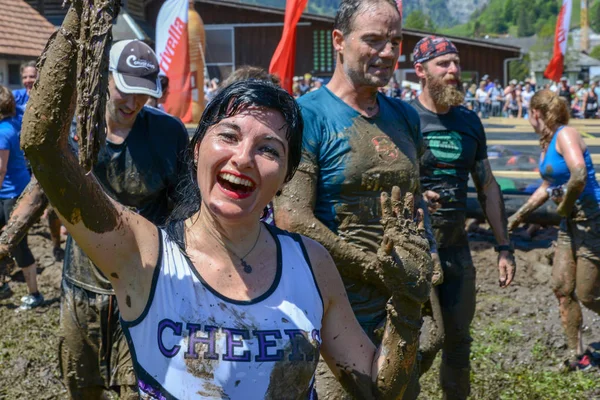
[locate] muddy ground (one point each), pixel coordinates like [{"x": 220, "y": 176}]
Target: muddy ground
[{"x": 519, "y": 344}]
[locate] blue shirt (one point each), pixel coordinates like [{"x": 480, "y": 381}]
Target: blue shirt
[
  {"x": 554, "y": 169},
  {"x": 21, "y": 99},
  {"x": 17, "y": 176},
  {"x": 354, "y": 159}
]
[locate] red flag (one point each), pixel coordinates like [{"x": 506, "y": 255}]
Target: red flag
[
  {"x": 284, "y": 58},
  {"x": 554, "y": 70}
]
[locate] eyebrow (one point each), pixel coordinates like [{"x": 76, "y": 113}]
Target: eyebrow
[
  {"x": 230, "y": 125},
  {"x": 267, "y": 137},
  {"x": 275, "y": 138}
]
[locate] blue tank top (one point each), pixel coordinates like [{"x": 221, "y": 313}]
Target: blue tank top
[{"x": 554, "y": 169}]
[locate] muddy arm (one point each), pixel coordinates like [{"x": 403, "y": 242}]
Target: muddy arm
[
  {"x": 118, "y": 241},
  {"x": 294, "y": 211},
  {"x": 29, "y": 208},
  {"x": 568, "y": 144},
  {"x": 538, "y": 198},
  {"x": 364, "y": 370}
]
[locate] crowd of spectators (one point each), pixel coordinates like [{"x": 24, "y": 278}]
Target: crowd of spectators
[
  {"x": 490, "y": 98},
  {"x": 512, "y": 101}
]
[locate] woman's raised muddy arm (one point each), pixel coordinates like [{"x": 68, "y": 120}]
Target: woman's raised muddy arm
[{"x": 112, "y": 236}]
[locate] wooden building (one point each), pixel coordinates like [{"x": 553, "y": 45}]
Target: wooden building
[
  {"x": 23, "y": 36},
  {"x": 247, "y": 34}
]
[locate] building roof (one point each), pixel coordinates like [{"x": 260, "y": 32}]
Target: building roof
[
  {"x": 464, "y": 40},
  {"x": 575, "y": 60},
  {"x": 525, "y": 43},
  {"x": 240, "y": 4},
  {"x": 23, "y": 31},
  {"x": 328, "y": 18}
]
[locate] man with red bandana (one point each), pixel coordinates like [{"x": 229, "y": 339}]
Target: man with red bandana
[{"x": 455, "y": 146}]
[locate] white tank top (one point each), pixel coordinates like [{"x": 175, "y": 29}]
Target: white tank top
[{"x": 193, "y": 343}]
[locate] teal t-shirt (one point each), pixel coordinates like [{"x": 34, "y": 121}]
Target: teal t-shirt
[{"x": 354, "y": 159}]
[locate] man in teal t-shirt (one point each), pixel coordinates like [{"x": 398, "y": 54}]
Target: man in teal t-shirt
[{"x": 357, "y": 144}]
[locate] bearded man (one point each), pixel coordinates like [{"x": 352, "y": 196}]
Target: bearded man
[{"x": 455, "y": 145}]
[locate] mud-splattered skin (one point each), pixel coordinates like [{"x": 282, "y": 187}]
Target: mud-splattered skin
[
  {"x": 574, "y": 187},
  {"x": 29, "y": 208},
  {"x": 45, "y": 127}
]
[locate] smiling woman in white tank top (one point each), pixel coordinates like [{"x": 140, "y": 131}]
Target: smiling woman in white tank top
[{"x": 219, "y": 305}]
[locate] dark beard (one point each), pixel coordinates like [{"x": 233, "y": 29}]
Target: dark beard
[{"x": 444, "y": 94}]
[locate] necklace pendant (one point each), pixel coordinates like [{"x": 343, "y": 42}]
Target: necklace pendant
[{"x": 247, "y": 267}]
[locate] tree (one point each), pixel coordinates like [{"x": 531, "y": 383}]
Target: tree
[
  {"x": 509, "y": 11},
  {"x": 595, "y": 53},
  {"x": 524, "y": 24},
  {"x": 418, "y": 20},
  {"x": 519, "y": 69},
  {"x": 594, "y": 17}
]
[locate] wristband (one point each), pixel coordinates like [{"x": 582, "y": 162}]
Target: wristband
[{"x": 504, "y": 247}]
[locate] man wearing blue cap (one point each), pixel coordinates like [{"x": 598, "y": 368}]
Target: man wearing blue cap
[{"x": 455, "y": 146}]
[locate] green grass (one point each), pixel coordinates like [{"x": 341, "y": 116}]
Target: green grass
[{"x": 494, "y": 377}]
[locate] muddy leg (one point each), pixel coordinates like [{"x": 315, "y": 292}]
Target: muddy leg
[
  {"x": 457, "y": 301},
  {"x": 563, "y": 285},
  {"x": 55, "y": 225},
  {"x": 588, "y": 283},
  {"x": 30, "y": 275},
  {"x": 79, "y": 345},
  {"x": 432, "y": 333}
]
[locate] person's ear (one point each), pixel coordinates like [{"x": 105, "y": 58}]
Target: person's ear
[
  {"x": 337, "y": 38},
  {"x": 420, "y": 70}
]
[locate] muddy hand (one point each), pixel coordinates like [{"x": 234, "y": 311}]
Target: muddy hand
[
  {"x": 513, "y": 222},
  {"x": 404, "y": 252}
]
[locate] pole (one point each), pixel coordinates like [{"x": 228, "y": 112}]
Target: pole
[{"x": 585, "y": 27}]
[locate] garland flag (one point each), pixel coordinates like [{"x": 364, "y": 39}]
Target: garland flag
[
  {"x": 284, "y": 58},
  {"x": 555, "y": 68},
  {"x": 174, "y": 57}
]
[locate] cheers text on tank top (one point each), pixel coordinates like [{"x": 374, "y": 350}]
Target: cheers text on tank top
[{"x": 192, "y": 342}]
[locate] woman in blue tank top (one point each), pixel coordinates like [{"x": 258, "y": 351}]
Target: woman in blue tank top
[
  {"x": 570, "y": 179},
  {"x": 220, "y": 305}
]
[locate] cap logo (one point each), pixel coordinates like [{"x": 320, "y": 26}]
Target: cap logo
[{"x": 134, "y": 62}]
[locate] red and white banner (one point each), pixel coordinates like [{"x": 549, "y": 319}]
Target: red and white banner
[
  {"x": 284, "y": 58},
  {"x": 174, "y": 58},
  {"x": 555, "y": 68}
]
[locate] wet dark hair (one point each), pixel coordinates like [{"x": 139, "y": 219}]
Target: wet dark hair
[
  {"x": 230, "y": 101},
  {"x": 250, "y": 72},
  {"x": 7, "y": 103},
  {"x": 349, "y": 9}
]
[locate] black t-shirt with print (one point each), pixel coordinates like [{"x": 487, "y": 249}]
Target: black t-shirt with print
[
  {"x": 454, "y": 142},
  {"x": 141, "y": 173}
]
